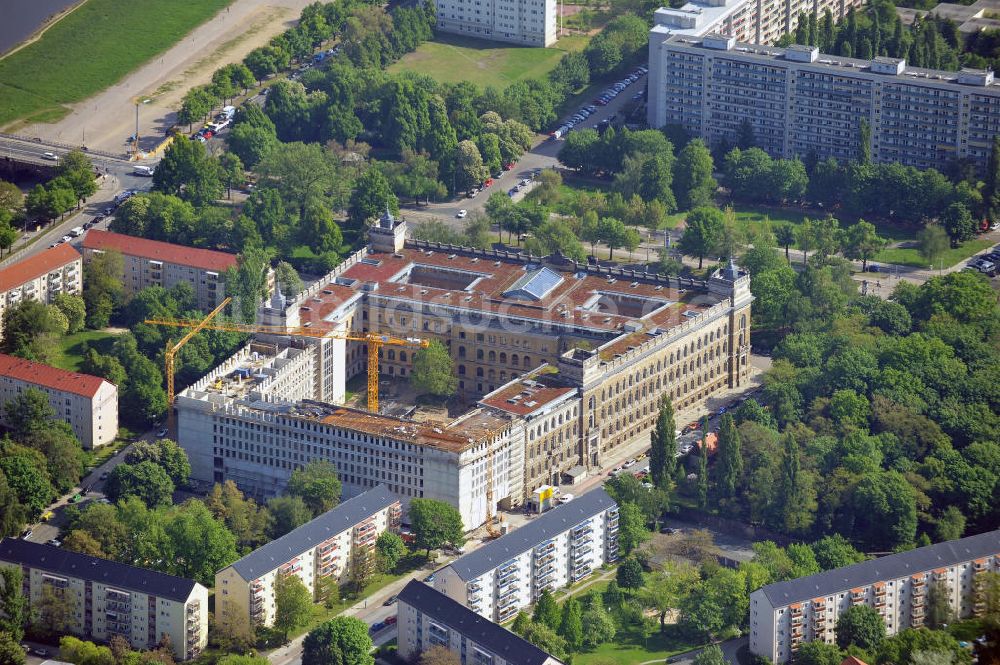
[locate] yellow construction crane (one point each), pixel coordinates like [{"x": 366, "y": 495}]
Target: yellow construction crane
[{"x": 375, "y": 342}]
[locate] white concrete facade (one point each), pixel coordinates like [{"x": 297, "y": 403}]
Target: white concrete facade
[
  {"x": 799, "y": 101},
  {"x": 787, "y": 614},
  {"x": 119, "y": 603},
  {"x": 245, "y": 589},
  {"x": 499, "y": 589},
  {"x": 525, "y": 22},
  {"x": 42, "y": 277},
  {"x": 88, "y": 404}
]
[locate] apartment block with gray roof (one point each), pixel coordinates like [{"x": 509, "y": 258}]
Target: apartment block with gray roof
[
  {"x": 106, "y": 598},
  {"x": 801, "y": 102},
  {"x": 560, "y": 547},
  {"x": 331, "y": 547},
  {"x": 786, "y": 614},
  {"x": 427, "y": 618}
]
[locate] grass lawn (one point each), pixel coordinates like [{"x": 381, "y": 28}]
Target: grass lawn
[
  {"x": 450, "y": 59},
  {"x": 90, "y": 49},
  {"x": 909, "y": 256},
  {"x": 632, "y": 646},
  {"x": 72, "y": 347}
]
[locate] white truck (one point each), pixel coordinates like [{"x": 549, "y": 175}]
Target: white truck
[
  {"x": 145, "y": 171},
  {"x": 76, "y": 231}
]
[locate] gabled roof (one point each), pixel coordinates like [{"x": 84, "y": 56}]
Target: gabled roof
[
  {"x": 894, "y": 566},
  {"x": 551, "y": 524},
  {"x": 65, "y": 563},
  {"x": 337, "y": 520},
  {"x": 50, "y": 377},
  {"x": 488, "y": 635},
  {"x": 535, "y": 284},
  {"x": 35, "y": 266},
  {"x": 204, "y": 259}
]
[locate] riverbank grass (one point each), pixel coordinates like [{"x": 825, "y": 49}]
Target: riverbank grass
[{"x": 93, "y": 47}]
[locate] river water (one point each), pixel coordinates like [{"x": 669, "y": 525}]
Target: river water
[{"x": 20, "y": 18}]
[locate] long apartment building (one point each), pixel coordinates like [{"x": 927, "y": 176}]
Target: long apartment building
[
  {"x": 786, "y": 614},
  {"x": 754, "y": 21},
  {"x": 107, "y": 598},
  {"x": 154, "y": 263},
  {"x": 801, "y": 102},
  {"x": 88, "y": 404},
  {"x": 42, "y": 277},
  {"x": 560, "y": 547},
  {"x": 607, "y": 343},
  {"x": 524, "y": 22},
  {"x": 427, "y": 618},
  {"x": 331, "y": 547}
]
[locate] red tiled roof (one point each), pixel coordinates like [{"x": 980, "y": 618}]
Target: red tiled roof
[
  {"x": 204, "y": 259},
  {"x": 852, "y": 660},
  {"x": 521, "y": 397},
  {"x": 50, "y": 377},
  {"x": 35, "y": 266}
]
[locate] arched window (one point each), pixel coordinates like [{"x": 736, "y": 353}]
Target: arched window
[
  {"x": 461, "y": 370},
  {"x": 392, "y": 354},
  {"x": 461, "y": 352},
  {"x": 514, "y": 360},
  {"x": 479, "y": 371},
  {"x": 479, "y": 354},
  {"x": 527, "y": 362},
  {"x": 402, "y": 356},
  {"x": 503, "y": 358},
  {"x": 493, "y": 356}
]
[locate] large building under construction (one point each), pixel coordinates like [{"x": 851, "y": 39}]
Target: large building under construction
[{"x": 561, "y": 363}]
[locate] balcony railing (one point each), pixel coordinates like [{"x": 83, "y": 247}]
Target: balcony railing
[
  {"x": 545, "y": 560},
  {"x": 507, "y": 568},
  {"x": 507, "y": 613}
]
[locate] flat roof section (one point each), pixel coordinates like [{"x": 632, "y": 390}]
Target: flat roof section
[{"x": 529, "y": 394}]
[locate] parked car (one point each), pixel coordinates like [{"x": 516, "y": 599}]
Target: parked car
[
  {"x": 27, "y": 534},
  {"x": 53, "y": 543},
  {"x": 390, "y": 621},
  {"x": 162, "y": 433},
  {"x": 462, "y": 213},
  {"x": 51, "y": 156},
  {"x": 565, "y": 498},
  {"x": 390, "y": 600},
  {"x": 376, "y": 627},
  {"x": 668, "y": 530}
]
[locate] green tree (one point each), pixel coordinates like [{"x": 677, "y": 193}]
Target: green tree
[
  {"x": 784, "y": 234},
  {"x": 702, "y": 233},
  {"x": 932, "y": 243},
  {"x": 30, "y": 330},
  {"x": 195, "y": 543},
  {"x": 188, "y": 171},
  {"x": 663, "y": 448},
  {"x": 861, "y": 626},
  {"x": 433, "y": 371},
  {"x": 958, "y": 223},
  {"x": 78, "y": 171},
  {"x": 11, "y": 652},
  {"x": 28, "y": 412},
  {"x": 241, "y": 515},
  {"x": 15, "y": 610},
  {"x": 797, "y": 511},
  {"x": 165, "y": 454},
  {"x": 571, "y": 624},
  {"x": 339, "y": 641},
  {"x": 710, "y": 655},
  {"x": 694, "y": 185},
  {"x": 287, "y": 513},
  {"x": 470, "y": 170},
  {"x": 885, "y": 505},
  {"x": 546, "y": 611},
  {"x": 293, "y": 606},
  {"x": 991, "y": 191},
  {"x": 632, "y": 530},
  {"x": 103, "y": 291},
  {"x": 372, "y": 195},
  {"x": 146, "y": 480},
  {"x": 630, "y": 574},
  {"x": 730, "y": 461},
  {"x": 73, "y": 308},
  {"x": 598, "y": 626},
  {"x": 27, "y": 478},
  {"x": 818, "y": 652},
  {"x": 391, "y": 549},
  {"x": 288, "y": 278},
  {"x": 435, "y": 523},
  {"x": 317, "y": 484},
  {"x": 703, "y": 468},
  {"x": 861, "y": 241},
  {"x": 232, "y": 171},
  {"x": 939, "y": 610},
  {"x": 864, "y": 141},
  {"x": 835, "y": 551},
  {"x": 62, "y": 451}
]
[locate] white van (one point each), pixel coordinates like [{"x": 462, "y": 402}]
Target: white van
[
  {"x": 230, "y": 111},
  {"x": 76, "y": 231},
  {"x": 143, "y": 171}
]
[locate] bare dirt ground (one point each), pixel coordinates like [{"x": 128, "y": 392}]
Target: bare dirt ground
[{"x": 104, "y": 121}]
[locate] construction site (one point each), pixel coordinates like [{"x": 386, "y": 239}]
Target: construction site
[{"x": 557, "y": 366}]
